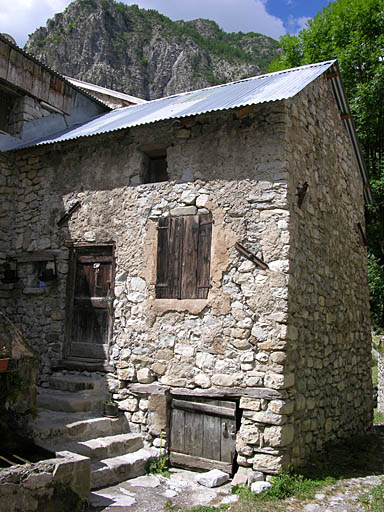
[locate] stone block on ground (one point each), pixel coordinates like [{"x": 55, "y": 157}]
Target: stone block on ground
[
  {"x": 258, "y": 487},
  {"x": 241, "y": 476},
  {"x": 255, "y": 476},
  {"x": 213, "y": 478}
]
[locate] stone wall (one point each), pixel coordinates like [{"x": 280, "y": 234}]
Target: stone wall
[
  {"x": 50, "y": 183},
  {"x": 61, "y": 483},
  {"x": 328, "y": 312},
  {"x": 379, "y": 353},
  {"x": 8, "y": 193}
]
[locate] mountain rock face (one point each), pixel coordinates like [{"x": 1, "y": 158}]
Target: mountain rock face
[{"x": 143, "y": 53}]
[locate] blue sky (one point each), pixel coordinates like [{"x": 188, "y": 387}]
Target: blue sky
[
  {"x": 295, "y": 12},
  {"x": 271, "y": 17}
]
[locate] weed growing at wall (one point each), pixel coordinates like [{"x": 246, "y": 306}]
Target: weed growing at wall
[{"x": 374, "y": 501}]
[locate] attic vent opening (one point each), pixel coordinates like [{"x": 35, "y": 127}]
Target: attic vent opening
[
  {"x": 156, "y": 166},
  {"x": 8, "y": 104}
]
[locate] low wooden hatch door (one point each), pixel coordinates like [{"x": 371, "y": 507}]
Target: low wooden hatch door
[
  {"x": 203, "y": 433},
  {"x": 91, "y": 315}
]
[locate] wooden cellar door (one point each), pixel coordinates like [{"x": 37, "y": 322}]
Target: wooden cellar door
[
  {"x": 203, "y": 434},
  {"x": 91, "y": 302}
]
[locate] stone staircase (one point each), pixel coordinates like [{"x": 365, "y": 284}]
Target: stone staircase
[{"x": 70, "y": 418}]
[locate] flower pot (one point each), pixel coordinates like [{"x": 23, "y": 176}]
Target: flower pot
[
  {"x": 111, "y": 410},
  {"x": 4, "y": 364}
]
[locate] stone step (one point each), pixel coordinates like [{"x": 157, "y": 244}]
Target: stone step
[
  {"x": 114, "y": 470},
  {"x": 74, "y": 383},
  {"x": 64, "y": 401},
  {"x": 104, "y": 447},
  {"x": 59, "y": 426}
]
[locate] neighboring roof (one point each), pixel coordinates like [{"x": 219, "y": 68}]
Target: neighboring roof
[
  {"x": 276, "y": 86},
  {"x": 5, "y": 39},
  {"x": 104, "y": 90}
]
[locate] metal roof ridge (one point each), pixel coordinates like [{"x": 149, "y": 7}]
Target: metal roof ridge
[{"x": 255, "y": 77}]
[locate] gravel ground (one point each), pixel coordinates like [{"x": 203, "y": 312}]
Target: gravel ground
[{"x": 150, "y": 493}]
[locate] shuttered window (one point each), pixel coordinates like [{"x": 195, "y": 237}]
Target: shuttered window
[{"x": 183, "y": 257}]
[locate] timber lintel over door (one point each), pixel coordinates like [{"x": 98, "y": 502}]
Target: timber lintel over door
[{"x": 90, "y": 296}]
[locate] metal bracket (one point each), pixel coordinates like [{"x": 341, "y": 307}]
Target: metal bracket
[
  {"x": 69, "y": 214},
  {"x": 301, "y": 191},
  {"x": 247, "y": 254}
]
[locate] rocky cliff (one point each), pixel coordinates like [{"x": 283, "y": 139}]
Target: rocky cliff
[{"x": 143, "y": 53}]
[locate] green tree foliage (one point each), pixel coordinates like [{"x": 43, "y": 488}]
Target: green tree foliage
[{"x": 353, "y": 32}]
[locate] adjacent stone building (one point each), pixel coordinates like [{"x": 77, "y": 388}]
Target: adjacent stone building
[{"x": 206, "y": 253}]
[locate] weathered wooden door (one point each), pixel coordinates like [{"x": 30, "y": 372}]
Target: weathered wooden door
[
  {"x": 91, "y": 302},
  {"x": 203, "y": 433}
]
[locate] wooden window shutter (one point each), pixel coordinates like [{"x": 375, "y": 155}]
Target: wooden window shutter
[
  {"x": 204, "y": 256},
  {"x": 183, "y": 257},
  {"x": 175, "y": 257},
  {"x": 162, "y": 284},
  {"x": 189, "y": 257}
]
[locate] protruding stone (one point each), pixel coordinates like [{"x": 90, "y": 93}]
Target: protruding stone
[
  {"x": 128, "y": 374},
  {"x": 202, "y": 380},
  {"x": 188, "y": 197},
  {"x": 202, "y": 200},
  {"x": 279, "y": 381},
  {"x": 221, "y": 379},
  {"x": 144, "y": 376}
]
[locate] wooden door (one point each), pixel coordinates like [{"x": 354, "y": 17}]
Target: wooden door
[
  {"x": 203, "y": 434},
  {"x": 91, "y": 303}
]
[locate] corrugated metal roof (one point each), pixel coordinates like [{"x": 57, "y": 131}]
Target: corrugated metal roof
[{"x": 259, "y": 89}]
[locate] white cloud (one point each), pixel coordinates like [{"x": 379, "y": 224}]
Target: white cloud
[
  {"x": 294, "y": 25},
  {"x": 21, "y": 17}
]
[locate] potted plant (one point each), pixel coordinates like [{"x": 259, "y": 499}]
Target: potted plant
[
  {"x": 111, "y": 409},
  {"x": 3, "y": 358}
]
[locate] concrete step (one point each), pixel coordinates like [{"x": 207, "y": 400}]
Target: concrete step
[
  {"x": 106, "y": 447},
  {"x": 64, "y": 401},
  {"x": 114, "y": 470},
  {"x": 58, "y": 426},
  {"x": 74, "y": 383}
]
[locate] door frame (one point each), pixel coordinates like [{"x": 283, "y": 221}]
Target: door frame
[{"x": 70, "y": 291}]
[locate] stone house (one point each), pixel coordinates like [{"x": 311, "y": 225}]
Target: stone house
[{"x": 205, "y": 254}]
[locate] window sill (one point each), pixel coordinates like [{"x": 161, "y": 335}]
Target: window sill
[{"x": 194, "y": 306}]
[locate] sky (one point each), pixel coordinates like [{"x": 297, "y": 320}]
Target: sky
[{"x": 271, "y": 17}]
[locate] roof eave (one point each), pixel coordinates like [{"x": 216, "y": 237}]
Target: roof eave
[{"x": 343, "y": 105}]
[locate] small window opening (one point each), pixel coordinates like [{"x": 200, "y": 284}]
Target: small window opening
[{"x": 156, "y": 167}]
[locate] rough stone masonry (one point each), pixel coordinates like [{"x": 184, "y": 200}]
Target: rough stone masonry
[{"x": 291, "y": 343}]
